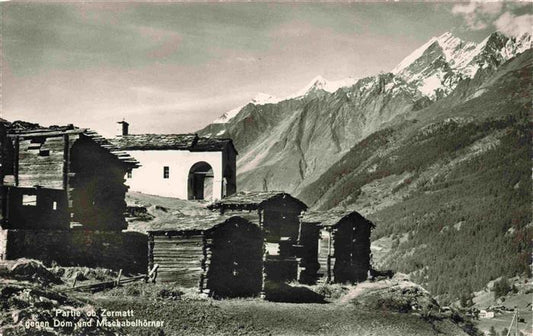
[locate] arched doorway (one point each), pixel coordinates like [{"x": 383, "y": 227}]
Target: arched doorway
[{"x": 200, "y": 183}]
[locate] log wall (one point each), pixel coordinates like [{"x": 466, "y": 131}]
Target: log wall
[
  {"x": 308, "y": 253},
  {"x": 181, "y": 258},
  {"x": 235, "y": 259},
  {"x": 225, "y": 261},
  {"x": 351, "y": 239},
  {"x": 96, "y": 187},
  {"x": 361, "y": 251},
  {"x": 40, "y": 161},
  {"x": 343, "y": 241},
  {"x": 90, "y": 176},
  {"x": 280, "y": 219}
]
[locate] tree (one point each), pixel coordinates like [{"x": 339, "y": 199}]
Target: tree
[
  {"x": 504, "y": 332},
  {"x": 501, "y": 287},
  {"x": 492, "y": 331}
]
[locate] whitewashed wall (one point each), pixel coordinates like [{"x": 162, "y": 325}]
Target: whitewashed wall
[{"x": 149, "y": 179}]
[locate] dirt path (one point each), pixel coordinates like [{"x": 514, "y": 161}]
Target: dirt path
[{"x": 363, "y": 288}]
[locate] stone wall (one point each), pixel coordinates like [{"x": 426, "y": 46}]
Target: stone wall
[{"x": 115, "y": 250}]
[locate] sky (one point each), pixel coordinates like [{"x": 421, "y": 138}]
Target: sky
[{"x": 175, "y": 67}]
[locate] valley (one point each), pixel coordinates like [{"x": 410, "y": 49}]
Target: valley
[{"x": 434, "y": 170}]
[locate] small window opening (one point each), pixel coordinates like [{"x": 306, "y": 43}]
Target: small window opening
[
  {"x": 166, "y": 172},
  {"x": 44, "y": 152},
  {"x": 36, "y": 143},
  {"x": 29, "y": 200},
  {"x": 54, "y": 205}
]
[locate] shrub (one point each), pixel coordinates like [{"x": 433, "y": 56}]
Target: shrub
[{"x": 330, "y": 291}]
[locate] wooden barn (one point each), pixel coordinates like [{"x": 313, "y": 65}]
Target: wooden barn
[
  {"x": 59, "y": 175},
  {"x": 343, "y": 251},
  {"x": 221, "y": 256},
  {"x": 278, "y": 215}
]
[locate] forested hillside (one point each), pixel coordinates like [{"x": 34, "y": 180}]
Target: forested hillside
[{"x": 452, "y": 193}]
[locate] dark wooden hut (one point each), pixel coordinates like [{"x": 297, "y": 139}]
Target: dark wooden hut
[
  {"x": 278, "y": 211},
  {"x": 278, "y": 215},
  {"x": 221, "y": 256},
  {"x": 60, "y": 175},
  {"x": 343, "y": 252}
]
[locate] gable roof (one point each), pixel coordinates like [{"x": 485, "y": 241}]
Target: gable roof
[
  {"x": 55, "y": 131},
  {"x": 190, "y": 142},
  {"x": 200, "y": 223},
  {"x": 332, "y": 218},
  {"x": 252, "y": 200}
]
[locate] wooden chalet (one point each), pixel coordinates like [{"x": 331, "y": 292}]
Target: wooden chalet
[
  {"x": 221, "y": 256},
  {"x": 58, "y": 175},
  {"x": 343, "y": 251},
  {"x": 278, "y": 215}
]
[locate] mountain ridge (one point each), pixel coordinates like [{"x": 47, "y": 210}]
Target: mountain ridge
[
  {"x": 304, "y": 135},
  {"x": 461, "y": 59}
]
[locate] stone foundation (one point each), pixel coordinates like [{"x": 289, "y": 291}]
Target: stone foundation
[{"x": 109, "y": 249}]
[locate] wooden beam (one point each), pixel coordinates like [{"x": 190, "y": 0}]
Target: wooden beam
[
  {"x": 45, "y": 133},
  {"x": 66, "y": 164},
  {"x": 6, "y": 205},
  {"x": 16, "y": 162},
  {"x": 328, "y": 280}
]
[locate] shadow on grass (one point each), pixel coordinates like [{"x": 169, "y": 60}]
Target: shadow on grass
[{"x": 281, "y": 292}]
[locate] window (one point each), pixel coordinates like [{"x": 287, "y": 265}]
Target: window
[
  {"x": 29, "y": 200},
  {"x": 54, "y": 205},
  {"x": 129, "y": 174},
  {"x": 166, "y": 172}
]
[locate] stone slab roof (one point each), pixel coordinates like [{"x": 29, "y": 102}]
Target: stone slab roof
[
  {"x": 252, "y": 200},
  {"x": 199, "y": 223},
  {"x": 190, "y": 142},
  {"x": 55, "y": 131},
  {"x": 331, "y": 218}
]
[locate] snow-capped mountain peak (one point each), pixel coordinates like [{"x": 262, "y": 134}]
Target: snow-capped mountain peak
[
  {"x": 433, "y": 70},
  {"x": 317, "y": 83},
  {"x": 228, "y": 116},
  {"x": 259, "y": 99},
  {"x": 454, "y": 50},
  {"x": 264, "y": 98},
  {"x": 320, "y": 83},
  {"x": 440, "y": 63},
  {"x": 412, "y": 57}
]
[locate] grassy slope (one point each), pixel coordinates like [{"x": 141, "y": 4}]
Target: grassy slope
[{"x": 472, "y": 172}]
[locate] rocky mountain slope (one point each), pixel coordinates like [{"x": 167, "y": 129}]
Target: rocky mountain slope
[
  {"x": 435, "y": 153},
  {"x": 288, "y": 143}
]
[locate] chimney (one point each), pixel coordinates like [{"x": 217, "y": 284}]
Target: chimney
[{"x": 125, "y": 127}]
